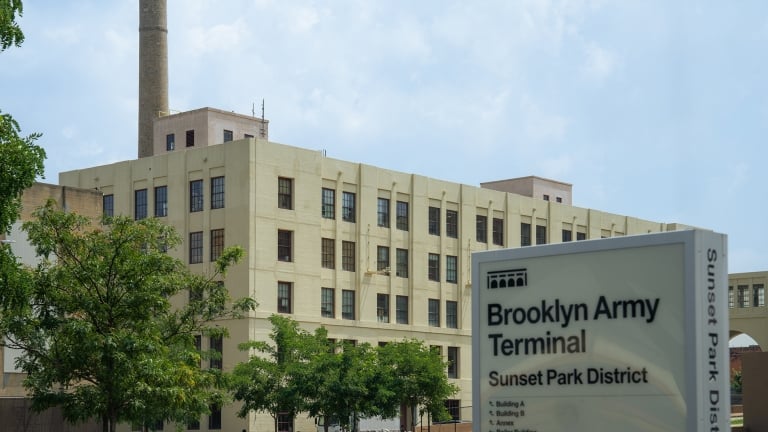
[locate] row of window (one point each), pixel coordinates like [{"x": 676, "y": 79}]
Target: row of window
[
  {"x": 742, "y": 299},
  {"x": 196, "y": 245},
  {"x": 170, "y": 139},
  {"x": 285, "y": 297},
  {"x": 196, "y": 199}
]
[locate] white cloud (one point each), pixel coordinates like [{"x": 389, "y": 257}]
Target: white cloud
[
  {"x": 220, "y": 37},
  {"x": 599, "y": 63}
]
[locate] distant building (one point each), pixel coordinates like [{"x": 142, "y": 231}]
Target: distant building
[
  {"x": 15, "y": 413},
  {"x": 373, "y": 255}
]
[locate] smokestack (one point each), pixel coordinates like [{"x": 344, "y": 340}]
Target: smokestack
[{"x": 153, "y": 70}]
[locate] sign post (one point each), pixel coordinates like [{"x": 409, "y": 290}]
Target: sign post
[{"x": 623, "y": 334}]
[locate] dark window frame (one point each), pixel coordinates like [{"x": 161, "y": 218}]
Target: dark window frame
[
  {"x": 401, "y": 309},
  {"x": 348, "y": 304},
  {"x": 284, "y": 297},
  {"x": 498, "y": 231},
  {"x": 451, "y": 314},
  {"x": 452, "y": 223},
  {"x": 196, "y": 198},
  {"x": 433, "y": 267},
  {"x": 285, "y": 245},
  {"x": 433, "y": 221},
  {"x": 217, "y": 243},
  {"x": 285, "y": 193},
  {"x": 328, "y": 203},
  {"x": 401, "y": 262},
  {"x": 196, "y": 247},
  {"x": 140, "y": 204},
  {"x": 161, "y": 201},
  {"x": 348, "y": 259},
  {"x": 328, "y": 253},
  {"x": 402, "y": 216},
  {"x": 451, "y": 268},
  {"x": 525, "y": 234},
  {"x": 382, "y": 212},
  {"x": 348, "y": 206},
  {"x": 481, "y": 228},
  {"x": 108, "y": 205},
  {"x": 327, "y": 302},
  {"x": 218, "y": 186},
  {"x": 382, "y": 258},
  {"x": 382, "y": 308},
  {"x": 433, "y": 312}
]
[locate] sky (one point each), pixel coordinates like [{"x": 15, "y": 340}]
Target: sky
[{"x": 652, "y": 109}]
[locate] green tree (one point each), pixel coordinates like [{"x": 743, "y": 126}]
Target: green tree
[
  {"x": 417, "y": 378},
  {"x": 273, "y": 378},
  {"x": 343, "y": 382},
  {"x": 99, "y": 335},
  {"x": 10, "y": 32}
]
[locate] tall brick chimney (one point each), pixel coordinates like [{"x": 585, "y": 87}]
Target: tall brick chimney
[{"x": 153, "y": 70}]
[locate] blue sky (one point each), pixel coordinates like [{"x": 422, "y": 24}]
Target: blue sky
[{"x": 653, "y": 109}]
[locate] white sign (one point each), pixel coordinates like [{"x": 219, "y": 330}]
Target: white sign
[{"x": 623, "y": 334}]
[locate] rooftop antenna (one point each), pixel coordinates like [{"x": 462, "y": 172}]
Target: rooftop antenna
[
  {"x": 253, "y": 109},
  {"x": 263, "y": 132}
]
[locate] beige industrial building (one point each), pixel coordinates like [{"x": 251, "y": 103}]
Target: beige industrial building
[{"x": 373, "y": 255}]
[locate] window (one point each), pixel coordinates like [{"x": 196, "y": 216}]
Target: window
[
  {"x": 196, "y": 247},
  {"x": 348, "y": 206},
  {"x": 758, "y": 295},
  {"x": 581, "y": 236},
  {"x": 329, "y": 203},
  {"x": 140, "y": 204},
  {"x": 546, "y": 197},
  {"x": 193, "y": 425},
  {"x": 525, "y": 234},
  {"x": 170, "y": 142},
  {"x": 434, "y": 221},
  {"x": 284, "y": 422},
  {"x": 285, "y": 193},
  {"x": 382, "y": 308},
  {"x": 217, "y": 192},
  {"x": 284, "y": 245},
  {"x": 433, "y": 267},
  {"x": 452, "y": 223},
  {"x": 453, "y": 362},
  {"x": 347, "y": 304},
  {"x": 161, "y": 201},
  {"x": 498, "y": 231},
  {"x": 191, "y": 138},
  {"x": 284, "y": 297},
  {"x": 382, "y": 212},
  {"x": 541, "y": 234},
  {"x": 567, "y": 236},
  {"x": 327, "y": 302},
  {"x": 382, "y": 258},
  {"x": 228, "y": 135},
  {"x": 217, "y": 348},
  {"x": 558, "y": 199},
  {"x": 401, "y": 263},
  {"x": 433, "y": 315},
  {"x": 328, "y": 253},
  {"x": 451, "y": 269},
  {"x": 401, "y": 309},
  {"x": 108, "y": 204},
  {"x": 743, "y": 297},
  {"x": 453, "y": 406},
  {"x": 402, "y": 216},
  {"x": 348, "y": 256},
  {"x": 196, "y": 196},
  {"x": 481, "y": 228},
  {"x": 217, "y": 243},
  {"x": 730, "y": 297},
  {"x": 195, "y": 294},
  {"x": 246, "y": 136},
  {"x": 451, "y": 314},
  {"x": 214, "y": 419}
]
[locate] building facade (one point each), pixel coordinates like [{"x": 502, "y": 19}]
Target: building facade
[{"x": 373, "y": 255}]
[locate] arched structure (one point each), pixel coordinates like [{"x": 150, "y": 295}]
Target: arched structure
[{"x": 747, "y": 311}]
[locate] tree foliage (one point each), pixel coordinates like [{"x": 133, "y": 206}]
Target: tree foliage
[
  {"x": 21, "y": 161},
  {"x": 10, "y": 32},
  {"x": 99, "y": 335},
  {"x": 305, "y": 372},
  {"x": 417, "y": 377},
  {"x": 272, "y": 379}
]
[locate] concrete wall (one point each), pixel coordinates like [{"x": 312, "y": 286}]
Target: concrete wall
[{"x": 16, "y": 416}]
